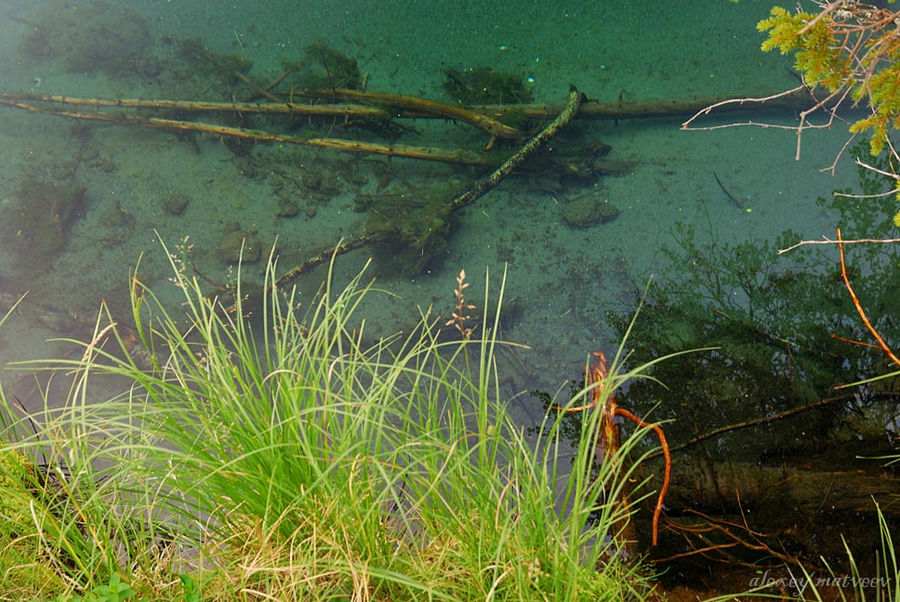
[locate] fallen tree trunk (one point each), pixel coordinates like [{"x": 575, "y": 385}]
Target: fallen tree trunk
[
  {"x": 483, "y": 185},
  {"x": 379, "y": 106},
  {"x": 195, "y": 106},
  {"x": 406, "y": 151},
  {"x": 648, "y": 108},
  {"x": 352, "y": 146},
  {"x": 781, "y": 494},
  {"x": 395, "y": 104},
  {"x": 410, "y": 105},
  {"x": 479, "y": 188}
]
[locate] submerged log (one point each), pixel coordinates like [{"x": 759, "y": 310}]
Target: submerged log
[
  {"x": 663, "y": 107},
  {"x": 196, "y": 106},
  {"x": 424, "y": 153},
  {"x": 787, "y": 493},
  {"x": 401, "y": 104},
  {"x": 380, "y": 106},
  {"x": 479, "y": 188},
  {"x": 573, "y": 102}
]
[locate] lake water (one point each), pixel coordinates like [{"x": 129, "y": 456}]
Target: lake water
[{"x": 122, "y": 189}]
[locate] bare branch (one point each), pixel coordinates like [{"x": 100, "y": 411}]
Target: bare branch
[
  {"x": 844, "y": 195},
  {"x": 828, "y": 241},
  {"x": 819, "y": 17},
  {"x": 731, "y": 101},
  {"x": 888, "y": 174}
]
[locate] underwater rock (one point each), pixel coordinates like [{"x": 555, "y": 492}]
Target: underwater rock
[
  {"x": 587, "y": 210},
  {"x": 287, "y": 207},
  {"x": 35, "y": 222},
  {"x": 117, "y": 226},
  {"x": 238, "y": 246},
  {"x": 175, "y": 203}
]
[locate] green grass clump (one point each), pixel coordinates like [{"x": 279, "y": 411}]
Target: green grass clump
[{"x": 292, "y": 459}]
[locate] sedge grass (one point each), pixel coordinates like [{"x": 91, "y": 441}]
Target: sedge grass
[{"x": 293, "y": 459}]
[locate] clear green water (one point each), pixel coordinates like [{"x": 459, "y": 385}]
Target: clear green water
[
  {"x": 561, "y": 280},
  {"x": 564, "y": 279}
]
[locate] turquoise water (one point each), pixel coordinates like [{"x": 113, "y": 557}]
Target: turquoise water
[{"x": 561, "y": 280}]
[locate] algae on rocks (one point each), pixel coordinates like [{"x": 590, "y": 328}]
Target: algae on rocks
[
  {"x": 35, "y": 223},
  {"x": 412, "y": 227},
  {"x": 484, "y": 85},
  {"x": 322, "y": 68}
]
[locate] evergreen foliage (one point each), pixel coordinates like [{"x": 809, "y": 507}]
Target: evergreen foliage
[{"x": 853, "y": 51}]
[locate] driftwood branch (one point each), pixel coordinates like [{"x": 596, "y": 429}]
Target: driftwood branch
[
  {"x": 477, "y": 190},
  {"x": 483, "y": 185},
  {"x": 381, "y": 106},
  {"x": 423, "y": 107},
  {"x": 264, "y": 108},
  {"x": 338, "y": 144},
  {"x": 828, "y": 241}
]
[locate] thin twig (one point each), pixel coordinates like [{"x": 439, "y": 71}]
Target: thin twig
[
  {"x": 844, "y": 195},
  {"x": 890, "y": 175},
  {"x": 667, "y": 475},
  {"x": 812, "y": 22},
  {"x": 828, "y": 241},
  {"x": 738, "y": 101}
]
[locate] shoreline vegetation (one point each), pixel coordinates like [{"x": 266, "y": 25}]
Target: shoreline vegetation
[{"x": 288, "y": 458}]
